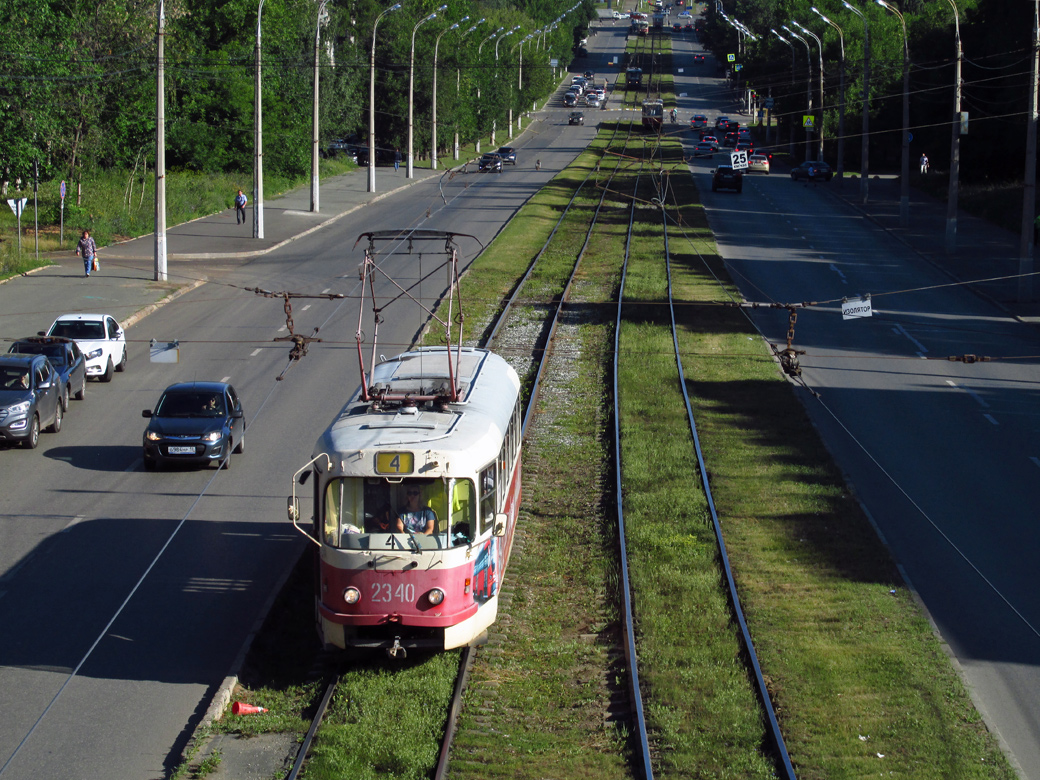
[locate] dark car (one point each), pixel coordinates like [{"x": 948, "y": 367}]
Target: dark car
[
  {"x": 65, "y": 357},
  {"x": 698, "y": 57},
  {"x": 570, "y": 99},
  {"x": 30, "y": 398},
  {"x": 194, "y": 423},
  {"x": 730, "y": 140},
  {"x": 507, "y": 153},
  {"x": 744, "y": 146},
  {"x": 812, "y": 170},
  {"x": 677, "y": 27},
  {"x": 721, "y": 123},
  {"x": 576, "y": 118},
  {"x": 704, "y": 149},
  {"x": 726, "y": 177},
  {"x": 490, "y": 162}
]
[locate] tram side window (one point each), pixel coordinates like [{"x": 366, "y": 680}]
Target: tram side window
[{"x": 488, "y": 498}]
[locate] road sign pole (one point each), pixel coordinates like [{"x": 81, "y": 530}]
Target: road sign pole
[{"x": 61, "y": 234}]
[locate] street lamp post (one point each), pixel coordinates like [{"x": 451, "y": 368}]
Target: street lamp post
[
  {"x": 411, "y": 91},
  {"x": 494, "y": 120},
  {"x": 841, "y": 98},
  {"x": 322, "y": 17},
  {"x": 864, "y": 175},
  {"x": 258, "y": 142},
  {"x": 904, "y": 184},
  {"x": 433, "y": 120},
  {"x": 819, "y": 130},
  {"x": 791, "y": 46},
  {"x": 372, "y": 102},
  {"x": 160, "y": 146},
  {"x": 808, "y": 88},
  {"x": 955, "y": 142}
]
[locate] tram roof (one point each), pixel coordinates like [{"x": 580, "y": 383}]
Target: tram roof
[{"x": 470, "y": 429}]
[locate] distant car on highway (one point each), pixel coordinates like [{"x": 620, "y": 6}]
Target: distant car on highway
[
  {"x": 30, "y": 398},
  {"x": 698, "y": 58},
  {"x": 490, "y": 162},
  {"x": 508, "y": 154},
  {"x": 758, "y": 162},
  {"x": 812, "y": 170},
  {"x": 576, "y": 118},
  {"x": 727, "y": 177},
  {"x": 704, "y": 149},
  {"x": 99, "y": 338},
  {"x": 66, "y": 359},
  {"x": 698, "y": 122}
]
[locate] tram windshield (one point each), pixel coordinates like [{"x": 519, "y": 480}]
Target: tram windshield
[{"x": 369, "y": 513}]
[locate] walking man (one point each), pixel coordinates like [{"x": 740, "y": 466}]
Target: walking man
[
  {"x": 87, "y": 249},
  {"x": 240, "y": 208},
  {"x": 924, "y": 163},
  {"x": 397, "y": 159}
]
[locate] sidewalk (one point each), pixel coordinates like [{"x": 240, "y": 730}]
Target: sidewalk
[
  {"x": 983, "y": 251},
  {"x": 124, "y": 283},
  {"x": 286, "y": 218}
]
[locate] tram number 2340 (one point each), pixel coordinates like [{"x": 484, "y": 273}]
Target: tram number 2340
[{"x": 386, "y": 592}]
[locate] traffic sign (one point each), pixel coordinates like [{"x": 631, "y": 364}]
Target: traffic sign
[
  {"x": 731, "y": 58},
  {"x": 854, "y": 308},
  {"x": 17, "y": 206},
  {"x": 809, "y": 122},
  {"x": 768, "y": 103},
  {"x": 738, "y": 160},
  {"x": 63, "y": 190}
]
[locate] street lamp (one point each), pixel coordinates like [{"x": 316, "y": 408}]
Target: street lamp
[
  {"x": 160, "y": 145},
  {"x": 322, "y": 17},
  {"x": 864, "y": 175},
  {"x": 904, "y": 184},
  {"x": 411, "y": 88},
  {"x": 479, "y": 106},
  {"x": 808, "y": 87},
  {"x": 372, "y": 102},
  {"x": 433, "y": 121},
  {"x": 791, "y": 45},
  {"x": 955, "y": 142},
  {"x": 494, "y": 121},
  {"x": 819, "y": 130},
  {"x": 258, "y": 142},
  {"x": 841, "y": 99}
]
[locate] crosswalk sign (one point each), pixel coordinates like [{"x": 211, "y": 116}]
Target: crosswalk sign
[{"x": 808, "y": 122}]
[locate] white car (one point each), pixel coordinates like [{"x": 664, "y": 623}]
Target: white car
[
  {"x": 98, "y": 337},
  {"x": 685, "y": 14}
]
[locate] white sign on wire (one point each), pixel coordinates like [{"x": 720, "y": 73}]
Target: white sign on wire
[
  {"x": 739, "y": 160},
  {"x": 854, "y": 308}
]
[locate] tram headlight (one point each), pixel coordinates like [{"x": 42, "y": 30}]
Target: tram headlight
[
  {"x": 435, "y": 596},
  {"x": 352, "y": 595}
]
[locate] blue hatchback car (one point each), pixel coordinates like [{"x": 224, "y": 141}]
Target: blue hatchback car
[{"x": 194, "y": 423}]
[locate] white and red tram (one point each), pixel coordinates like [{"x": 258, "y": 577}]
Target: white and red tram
[{"x": 379, "y": 587}]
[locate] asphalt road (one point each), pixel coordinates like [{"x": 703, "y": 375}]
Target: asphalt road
[
  {"x": 126, "y": 595},
  {"x": 943, "y": 455}
]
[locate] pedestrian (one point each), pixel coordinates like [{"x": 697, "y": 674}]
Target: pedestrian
[
  {"x": 240, "y": 208},
  {"x": 397, "y": 159},
  {"x": 87, "y": 249},
  {"x": 924, "y": 163}
]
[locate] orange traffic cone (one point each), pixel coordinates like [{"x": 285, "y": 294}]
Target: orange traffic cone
[{"x": 241, "y": 708}]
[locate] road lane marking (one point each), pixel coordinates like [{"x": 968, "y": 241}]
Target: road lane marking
[{"x": 255, "y": 352}]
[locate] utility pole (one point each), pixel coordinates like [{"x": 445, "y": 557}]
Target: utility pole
[
  {"x": 1025, "y": 252},
  {"x": 160, "y": 149}
]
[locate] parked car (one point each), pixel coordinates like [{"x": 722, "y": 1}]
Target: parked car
[
  {"x": 30, "y": 398},
  {"x": 65, "y": 357},
  {"x": 704, "y": 149},
  {"x": 576, "y": 118},
  {"x": 98, "y": 337},
  {"x": 727, "y": 177},
  {"x": 490, "y": 162},
  {"x": 508, "y": 154},
  {"x": 812, "y": 170},
  {"x": 194, "y": 423},
  {"x": 758, "y": 162}
]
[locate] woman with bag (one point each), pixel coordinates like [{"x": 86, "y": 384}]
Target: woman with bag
[{"x": 87, "y": 249}]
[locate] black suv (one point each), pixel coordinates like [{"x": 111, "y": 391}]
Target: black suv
[
  {"x": 576, "y": 118},
  {"x": 726, "y": 177},
  {"x": 66, "y": 359},
  {"x": 30, "y": 398}
]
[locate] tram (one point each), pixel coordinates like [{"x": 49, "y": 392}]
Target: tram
[
  {"x": 653, "y": 115},
  {"x": 416, "y": 489},
  {"x": 633, "y": 78}
]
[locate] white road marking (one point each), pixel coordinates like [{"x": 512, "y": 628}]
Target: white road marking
[{"x": 255, "y": 352}]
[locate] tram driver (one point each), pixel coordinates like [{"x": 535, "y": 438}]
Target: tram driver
[{"x": 414, "y": 517}]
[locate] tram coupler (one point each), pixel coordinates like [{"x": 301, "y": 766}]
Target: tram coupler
[{"x": 392, "y": 652}]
